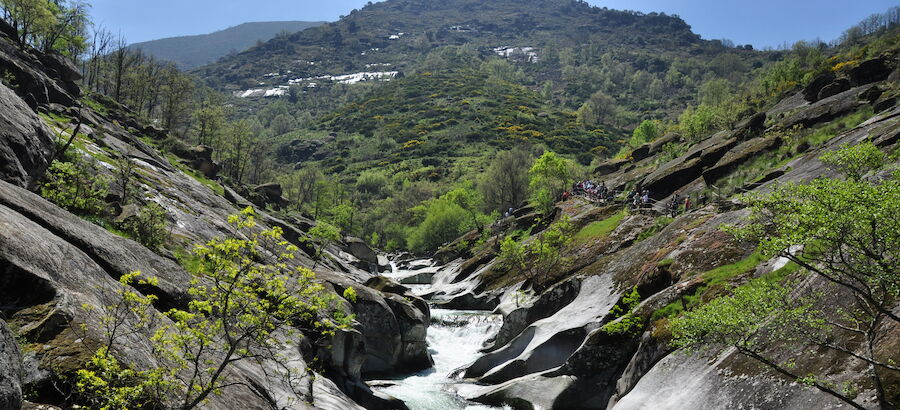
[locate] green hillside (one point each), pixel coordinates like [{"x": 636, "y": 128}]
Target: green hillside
[{"x": 193, "y": 51}]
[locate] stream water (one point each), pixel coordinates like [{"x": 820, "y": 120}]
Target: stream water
[{"x": 454, "y": 339}]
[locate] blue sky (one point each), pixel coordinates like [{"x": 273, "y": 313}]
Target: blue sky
[{"x": 761, "y": 22}]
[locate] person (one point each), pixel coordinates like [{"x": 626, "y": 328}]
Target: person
[
  {"x": 687, "y": 203},
  {"x": 566, "y": 195}
]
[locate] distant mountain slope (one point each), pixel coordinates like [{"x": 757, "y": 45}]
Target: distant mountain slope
[{"x": 193, "y": 51}]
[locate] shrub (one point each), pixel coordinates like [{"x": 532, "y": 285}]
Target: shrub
[
  {"x": 149, "y": 227},
  {"x": 73, "y": 186}
]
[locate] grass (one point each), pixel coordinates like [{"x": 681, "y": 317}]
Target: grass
[
  {"x": 599, "y": 229},
  {"x": 821, "y": 135}
]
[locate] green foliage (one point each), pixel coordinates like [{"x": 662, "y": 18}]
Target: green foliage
[
  {"x": 505, "y": 184},
  {"x": 538, "y": 257},
  {"x": 624, "y": 321},
  {"x": 736, "y": 320},
  {"x": 75, "y": 187},
  {"x": 855, "y": 160},
  {"x": 105, "y": 384},
  {"x": 237, "y": 307},
  {"x": 832, "y": 222},
  {"x": 150, "y": 226},
  {"x": 697, "y": 122},
  {"x": 599, "y": 229},
  {"x": 322, "y": 234},
  {"x": 443, "y": 222},
  {"x": 549, "y": 177},
  {"x": 646, "y": 132}
]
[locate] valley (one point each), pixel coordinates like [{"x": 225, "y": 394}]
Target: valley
[{"x": 456, "y": 204}]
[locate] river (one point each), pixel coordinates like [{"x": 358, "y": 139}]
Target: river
[{"x": 454, "y": 340}]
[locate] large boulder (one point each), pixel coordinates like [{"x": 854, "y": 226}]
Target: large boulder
[
  {"x": 58, "y": 64},
  {"x": 10, "y": 370},
  {"x": 267, "y": 194},
  {"x": 836, "y": 87},
  {"x": 203, "y": 162},
  {"x": 360, "y": 250},
  {"x": 26, "y": 143},
  {"x": 34, "y": 83},
  {"x": 739, "y": 155},
  {"x": 869, "y": 71},
  {"x": 811, "y": 91}
]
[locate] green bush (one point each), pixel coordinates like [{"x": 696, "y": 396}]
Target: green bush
[
  {"x": 149, "y": 227},
  {"x": 444, "y": 221},
  {"x": 75, "y": 187}
]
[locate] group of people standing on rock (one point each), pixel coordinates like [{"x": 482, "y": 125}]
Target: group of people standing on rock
[
  {"x": 683, "y": 203},
  {"x": 636, "y": 199},
  {"x": 590, "y": 190},
  {"x": 639, "y": 199}
]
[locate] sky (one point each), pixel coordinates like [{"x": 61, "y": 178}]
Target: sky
[{"x": 762, "y": 23}]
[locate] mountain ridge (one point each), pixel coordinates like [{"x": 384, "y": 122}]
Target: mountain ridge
[{"x": 192, "y": 51}]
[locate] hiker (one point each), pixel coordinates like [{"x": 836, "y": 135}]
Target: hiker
[
  {"x": 687, "y": 204},
  {"x": 566, "y": 195}
]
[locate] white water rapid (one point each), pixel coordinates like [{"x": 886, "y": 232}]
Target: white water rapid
[{"x": 454, "y": 339}]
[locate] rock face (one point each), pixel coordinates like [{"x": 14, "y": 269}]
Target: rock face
[
  {"x": 26, "y": 144},
  {"x": 10, "y": 370},
  {"x": 36, "y": 82}
]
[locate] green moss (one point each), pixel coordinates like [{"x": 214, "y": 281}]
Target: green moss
[
  {"x": 599, "y": 229},
  {"x": 713, "y": 281}
]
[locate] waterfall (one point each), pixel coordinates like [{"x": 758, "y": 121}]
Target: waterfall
[{"x": 454, "y": 340}]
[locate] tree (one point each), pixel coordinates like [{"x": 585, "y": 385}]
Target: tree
[
  {"x": 549, "y": 178},
  {"x": 845, "y": 231},
  {"x": 238, "y": 307},
  {"x": 753, "y": 315},
  {"x": 208, "y": 123},
  {"x": 598, "y": 109},
  {"x": 469, "y": 200},
  {"x": 505, "y": 184},
  {"x": 644, "y": 133},
  {"x": 176, "y": 95},
  {"x": 28, "y": 17},
  {"x": 538, "y": 257},
  {"x": 321, "y": 235},
  {"x": 441, "y": 222}
]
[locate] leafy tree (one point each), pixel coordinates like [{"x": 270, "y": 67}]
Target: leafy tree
[
  {"x": 598, "y": 109},
  {"x": 747, "y": 320},
  {"x": 505, "y": 185},
  {"x": 75, "y": 187},
  {"x": 238, "y": 305},
  {"x": 149, "y": 227},
  {"x": 125, "y": 173},
  {"x": 644, "y": 133},
  {"x": 321, "y": 235},
  {"x": 442, "y": 222},
  {"x": 469, "y": 200},
  {"x": 208, "y": 122},
  {"x": 846, "y": 232},
  {"x": 538, "y": 257},
  {"x": 549, "y": 177}
]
